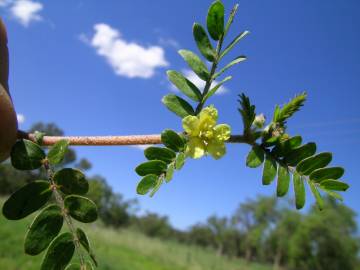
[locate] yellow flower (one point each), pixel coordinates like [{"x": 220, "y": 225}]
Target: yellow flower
[{"x": 204, "y": 135}]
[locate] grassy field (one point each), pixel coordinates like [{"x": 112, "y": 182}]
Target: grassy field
[{"x": 119, "y": 250}]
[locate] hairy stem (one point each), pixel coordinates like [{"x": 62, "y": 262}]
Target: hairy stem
[
  {"x": 111, "y": 140},
  {"x": 68, "y": 220}
]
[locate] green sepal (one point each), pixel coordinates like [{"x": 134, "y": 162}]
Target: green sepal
[
  {"x": 195, "y": 63},
  {"x": 159, "y": 153},
  {"x": 57, "y": 152},
  {"x": 178, "y": 105},
  {"x": 310, "y": 164},
  {"x": 45, "y": 227},
  {"x": 283, "y": 181},
  {"x": 80, "y": 208},
  {"x": 71, "y": 181},
  {"x": 184, "y": 85},
  {"x": 326, "y": 173},
  {"x": 27, "y": 200},
  {"x": 269, "y": 171},
  {"x": 156, "y": 167},
  {"x": 215, "y": 20},
  {"x": 147, "y": 183},
  {"x": 60, "y": 253},
  {"x": 172, "y": 140},
  {"x": 255, "y": 157},
  {"x": 299, "y": 189},
  {"x": 203, "y": 42},
  {"x": 26, "y": 155}
]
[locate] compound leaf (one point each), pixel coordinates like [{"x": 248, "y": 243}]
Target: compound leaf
[{"x": 237, "y": 60}]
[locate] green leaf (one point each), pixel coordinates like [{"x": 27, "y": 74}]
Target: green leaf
[
  {"x": 317, "y": 195},
  {"x": 234, "y": 42},
  {"x": 26, "y": 155},
  {"x": 247, "y": 112},
  {"x": 310, "y": 164},
  {"x": 237, "y": 60},
  {"x": 170, "y": 172},
  {"x": 231, "y": 18},
  {"x": 57, "y": 152},
  {"x": 300, "y": 153},
  {"x": 195, "y": 64},
  {"x": 334, "y": 185},
  {"x": 156, "y": 167},
  {"x": 180, "y": 160},
  {"x": 84, "y": 241},
  {"x": 172, "y": 140},
  {"x": 203, "y": 42},
  {"x": 255, "y": 157},
  {"x": 147, "y": 183},
  {"x": 269, "y": 171},
  {"x": 216, "y": 87},
  {"x": 159, "y": 153},
  {"x": 283, "y": 181},
  {"x": 281, "y": 115},
  {"x": 299, "y": 189},
  {"x": 184, "y": 85},
  {"x": 76, "y": 266},
  {"x": 39, "y": 137},
  {"x": 159, "y": 182},
  {"x": 27, "y": 200},
  {"x": 283, "y": 148},
  {"x": 59, "y": 253},
  {"x": 81, "y": 208},
  {"x": 178, "y": 105},
  {"x": 71, "y": 181},
  {"x": 326, "y": 173},
  {"x": 215, "y": 20},
  {"x": 45, "y": 227},
  {"x": 334, "y": 194}
]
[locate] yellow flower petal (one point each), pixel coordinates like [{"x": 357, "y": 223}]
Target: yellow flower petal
[
  {"x": 222, "y": 132},
  {"x": 208, "y": 117},
  {"x": 191, "y": 125},
  {"x": 195, "y": 148},
  {"x": 216, "y": 149}
]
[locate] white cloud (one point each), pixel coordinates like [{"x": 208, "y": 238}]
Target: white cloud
[
  {"x": 20, "y": 118},
  {"x": 190, "y": 75},
  {"x": 26, "y": 11},
  {"x": 169, "y": 42},
  {"x": 128, "y": 59},
  {"x": 141, "y": 146}
]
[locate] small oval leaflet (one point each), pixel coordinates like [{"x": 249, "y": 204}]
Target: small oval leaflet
[
  {"x": 317, "y": 195},
  {"x": 147, "y": 183},
  {"x": 84, "y": 241},
  {"x": 334, "y": 185},
  {"x": 184, "y": 85},
  {"x": 57, "y": 152},
  {"x": 310, "y": 164},
  {"x": 71, "y": 181},
  {"x": 178, "y": 105},
  {"x": 203, "y": 42},
  {"x": 255, "y": 157},
  {"x": 326, "y": 174},
  {"x": 159, "y": 153},
  {"x": 299, "y": 189},
  {"x": 26, "y": 155},
  {"x": 283, "y": 181},
  {"x": 172, "y": 140},
  {"x": 300, "y": 153},
  {"x": 151, "y": 167},
  {"x": 195, "y": 63},
  {"x": 215, "y": 20},
  {"x": 45, "y": 227},
  {"x": 283, "y": 148},
  {"x": 180, "y": 160},
  {"x": 269, "y": 171},
  {"x": 27, "y": 200},
  {"x": 170, "y": 172},
  {"x": 81, "y": 208},
  {"x": 60, "y": 253}
]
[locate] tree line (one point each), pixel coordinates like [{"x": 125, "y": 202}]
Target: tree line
[{"x": 264, "y": 229}]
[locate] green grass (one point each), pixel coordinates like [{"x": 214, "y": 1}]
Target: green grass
[{"x": 119, "y": 250}]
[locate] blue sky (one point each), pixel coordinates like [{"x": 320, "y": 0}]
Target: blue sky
[{"x": 98, "y": 68}]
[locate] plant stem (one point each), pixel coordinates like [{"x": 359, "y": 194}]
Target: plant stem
[
  {"x": 111, "y": 140},
  {"x": 67, "y": 218}
]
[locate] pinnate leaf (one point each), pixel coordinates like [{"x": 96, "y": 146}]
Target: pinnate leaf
[{"x": 234, "y": 42}]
